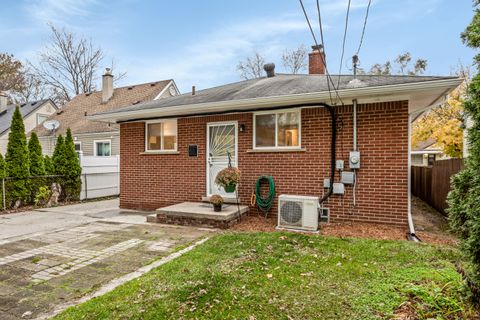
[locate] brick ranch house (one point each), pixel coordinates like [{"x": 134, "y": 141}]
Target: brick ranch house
[{"x": 278, "y": 125}]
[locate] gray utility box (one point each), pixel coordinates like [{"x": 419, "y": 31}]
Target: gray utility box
[
  {"x": 326, "y": 183},
  {"x": 354, "y": 160},
  {"x": 347, "y": 177},
  {"x": 339, "y": 165},
  {"x": 338, "y": 188}
]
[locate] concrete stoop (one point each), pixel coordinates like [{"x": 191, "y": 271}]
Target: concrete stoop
[{"x": 199, "y": 214}]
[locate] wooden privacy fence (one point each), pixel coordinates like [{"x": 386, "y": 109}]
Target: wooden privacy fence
[{"x": 432, "y": 184}]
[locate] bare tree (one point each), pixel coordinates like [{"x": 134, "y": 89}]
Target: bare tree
[
  {"x": 402, "y": 62},
  {"x": 295, "y": 60},
  {"x": 68, "y": 66},
  {"x": 12, "y": 77},
  {"x": 34, "y": 89},
  {"x": 251, "y": 67},
  {"x": 419, "y": 67}
]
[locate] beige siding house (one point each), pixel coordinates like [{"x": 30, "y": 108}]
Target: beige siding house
[
  {"x": 425, "y": 153},
  {"x": 34, "y": 113},
  {"x": 95, "y": 138}
]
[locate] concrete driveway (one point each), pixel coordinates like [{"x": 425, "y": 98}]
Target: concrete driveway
[{"x": 52, "y": 256}]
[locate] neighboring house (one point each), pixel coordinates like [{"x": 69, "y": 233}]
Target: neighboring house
[
  {"x": 94, "y": 138},
  {"x": 425, "y": 153},
  {"x": 34, "y": 113},
  {"x": 278, "y": 125}
]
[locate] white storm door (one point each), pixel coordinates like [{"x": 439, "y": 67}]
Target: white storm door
[{"x": 221, "y": 141}]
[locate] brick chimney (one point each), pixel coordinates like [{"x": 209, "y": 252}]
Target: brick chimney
[
  {"x": 316, "y": 60},
  {"x": 107, "y": 85}
]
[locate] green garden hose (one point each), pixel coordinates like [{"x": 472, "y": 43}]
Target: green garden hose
[{"x": 265, "y": 204}]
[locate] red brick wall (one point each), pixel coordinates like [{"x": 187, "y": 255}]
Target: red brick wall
[{"x": 150, "y": 181}]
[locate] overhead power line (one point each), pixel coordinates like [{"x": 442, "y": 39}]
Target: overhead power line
[
  {"x": 329, "y": 78},
  {"x": 344, "y": 40},
  {"x": 308, "y": 21},
  {"x": 364, "y": 27},
  {"x": 324, "y": 50}
]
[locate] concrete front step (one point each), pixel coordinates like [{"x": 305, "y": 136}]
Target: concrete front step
[
  {"x": 227, "y": 200},
  {"x": 199, "y": 214}
]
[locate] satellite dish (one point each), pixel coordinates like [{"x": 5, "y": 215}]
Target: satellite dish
[{"x": 51, "y": 125}]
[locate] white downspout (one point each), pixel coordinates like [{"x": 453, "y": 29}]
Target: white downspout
[
  {"x": 354, "y": 149},
  {"x": 411, "y": 228},
  {"x": 355, "y": 125}
]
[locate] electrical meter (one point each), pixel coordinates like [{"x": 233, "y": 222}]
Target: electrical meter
[{"x": 354, "y": 160}]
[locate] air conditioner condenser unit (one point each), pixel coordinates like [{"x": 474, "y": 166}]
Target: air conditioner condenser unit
[{"x": 298, "y": 212}]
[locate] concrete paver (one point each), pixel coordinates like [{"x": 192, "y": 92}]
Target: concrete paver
[{"x": 59, "y": 254}]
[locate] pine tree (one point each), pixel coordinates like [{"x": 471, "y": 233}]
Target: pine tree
[
  {"x": 2, "y": 176},
  {"x": 17, "y": 161},
  {"x": 49, "y": 166},
  {"x": 464, "y": 199},
  {"x": 58, "y": 160},
  {"x": 58, "y": 157},
  {"x": 72, "y": 169},
  {"x": 37, "y": 166}
]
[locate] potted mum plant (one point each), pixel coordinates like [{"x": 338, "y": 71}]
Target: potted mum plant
[
  {"x": 228, "y": 178},
  {"x": 217, "y": 202}
]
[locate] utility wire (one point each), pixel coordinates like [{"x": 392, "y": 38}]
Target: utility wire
[
  {"x": 329, "y": 79},
  {"x": 364, "y": 27},
  {"x": 308, "y": 21},
  {"x": 324, "y": 51},
  {"x": 344, "y": 40}
]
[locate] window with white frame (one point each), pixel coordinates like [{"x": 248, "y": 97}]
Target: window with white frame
[
  {"x": 161, "y": 135},
  {"x": 279, "y": 129},
  {"x": 103, "y": 148},
  {"x": 78, "y": 146},
  {"x": 41, "y": 118}
]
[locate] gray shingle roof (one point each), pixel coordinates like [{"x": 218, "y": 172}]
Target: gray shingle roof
[
  {"x": 279, "y": 85},
  {"x": 25, "y": 110}
]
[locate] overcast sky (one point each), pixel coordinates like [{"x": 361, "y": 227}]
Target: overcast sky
[{"x": 200, "y": 42}]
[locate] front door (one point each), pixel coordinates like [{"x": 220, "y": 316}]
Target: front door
[{"x": 221, "y": 141}]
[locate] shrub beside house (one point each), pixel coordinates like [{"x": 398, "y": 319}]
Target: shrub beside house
[{"x": 24, "y": 169}]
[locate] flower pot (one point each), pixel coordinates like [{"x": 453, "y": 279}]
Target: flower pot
[
  {"x": 217, "y": 207},
  {"x": 230, "y": 188}
]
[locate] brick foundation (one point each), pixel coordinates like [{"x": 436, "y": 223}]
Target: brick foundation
[
  {"x": 151, "y": 181},
  {"x": 196, "y": 222}
]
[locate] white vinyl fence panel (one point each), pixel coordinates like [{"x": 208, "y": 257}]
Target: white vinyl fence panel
[{"x": 100, "y": 176}]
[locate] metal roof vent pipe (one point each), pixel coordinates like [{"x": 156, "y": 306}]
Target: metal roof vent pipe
[{"x": 269, "y": 69}]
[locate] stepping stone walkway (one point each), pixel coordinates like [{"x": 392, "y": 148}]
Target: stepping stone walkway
[{"x": 41, "y": 270}]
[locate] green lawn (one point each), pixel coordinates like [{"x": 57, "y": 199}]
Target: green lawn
[{"x": 290, "y": 276}]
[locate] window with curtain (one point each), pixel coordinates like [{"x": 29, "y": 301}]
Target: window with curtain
[
  {"x": 103, "y": 148},
  {"x": 277, "y": 129},
  {"x": 161, "y": 136}
]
